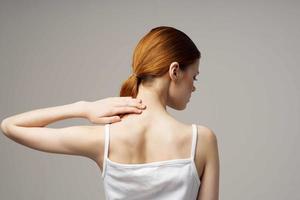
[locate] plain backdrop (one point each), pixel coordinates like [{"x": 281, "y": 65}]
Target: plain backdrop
[{"x": 59, "y": 52}]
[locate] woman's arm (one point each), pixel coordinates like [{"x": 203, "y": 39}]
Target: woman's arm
[
  {"x": 29, "y": 128},
  {"x": 44, "y": 116}
]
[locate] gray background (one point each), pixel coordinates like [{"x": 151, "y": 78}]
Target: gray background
[{"x": 58, "y": 52}]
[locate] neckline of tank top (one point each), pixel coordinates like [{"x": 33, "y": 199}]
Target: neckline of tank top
[{"x": 154, "y": 163}]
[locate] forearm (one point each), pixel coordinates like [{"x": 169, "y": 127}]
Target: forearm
[{"x": 44, "y": 116}]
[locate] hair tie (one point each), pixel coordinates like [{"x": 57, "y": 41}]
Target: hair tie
[{"x": 134, "y": 74}]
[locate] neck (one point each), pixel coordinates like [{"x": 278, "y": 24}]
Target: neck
[{"x": 155, "y": 99}]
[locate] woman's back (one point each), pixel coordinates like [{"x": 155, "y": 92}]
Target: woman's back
[
  {"x": 156, "y": 154},
  {"x": 142, "y": 141}
]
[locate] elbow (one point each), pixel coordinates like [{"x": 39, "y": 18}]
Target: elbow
[{"x": 4, "y": 126}]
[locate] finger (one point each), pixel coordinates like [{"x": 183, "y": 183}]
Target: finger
[
  {"x": 105, "y": 120},
  {"x": 121, "y": 100},
  {"x": 137, "y": 103},
  {"x": 132, "y": 103},
  {"x": 121, "y": 110},
  {"x": 140, "y": 105},
  {"x": 114, "y": 119},
  {"x": 136, "y": 100},
  {"x": 128, "y": 97}
]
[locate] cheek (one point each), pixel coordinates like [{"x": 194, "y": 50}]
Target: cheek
[
  {"x": 186, "y": 88},
  {"x": 177, "y": 91},
  {"x": 189, "y": 83}
]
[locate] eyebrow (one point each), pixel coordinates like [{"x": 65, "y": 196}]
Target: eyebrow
[{"x": 198, "y": 73}]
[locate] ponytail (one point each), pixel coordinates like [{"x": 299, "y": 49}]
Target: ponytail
[{"x": 130, "y": 86}]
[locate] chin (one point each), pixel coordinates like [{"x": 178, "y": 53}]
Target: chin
[{"x": 180, "y": 107}]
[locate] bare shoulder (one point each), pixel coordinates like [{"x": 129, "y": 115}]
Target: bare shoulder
[
  {"x": 207, "y": 138},
  {"x": 206, "y": 134},
  {"x": 206, "y": 147}
]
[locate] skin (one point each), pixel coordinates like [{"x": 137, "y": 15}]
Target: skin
[
  {"x": 127, "y": 145},
  {"x": 140, "y": 144}
]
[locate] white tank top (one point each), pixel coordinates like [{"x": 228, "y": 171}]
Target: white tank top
[{"x": 168, "y": 180}]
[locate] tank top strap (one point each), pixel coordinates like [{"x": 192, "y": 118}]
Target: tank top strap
[
  {"x": 194, "y": 141},
  {"x": 106, "y": 147}
]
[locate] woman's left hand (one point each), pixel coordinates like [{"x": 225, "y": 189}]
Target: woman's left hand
[{"x": 108, "y": 110}]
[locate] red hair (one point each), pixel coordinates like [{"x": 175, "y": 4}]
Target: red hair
[{"x": 155, "y": 52}]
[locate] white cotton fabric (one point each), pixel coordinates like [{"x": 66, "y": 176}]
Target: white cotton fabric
[{"x": 175, "y": 179}]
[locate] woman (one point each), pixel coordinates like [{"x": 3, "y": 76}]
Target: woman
[{"x": 142, "y": 152}]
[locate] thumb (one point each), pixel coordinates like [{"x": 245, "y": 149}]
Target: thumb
[{"x": 105, "y": 120}]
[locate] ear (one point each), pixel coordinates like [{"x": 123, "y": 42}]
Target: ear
[{"x": 174, "y": 71}]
